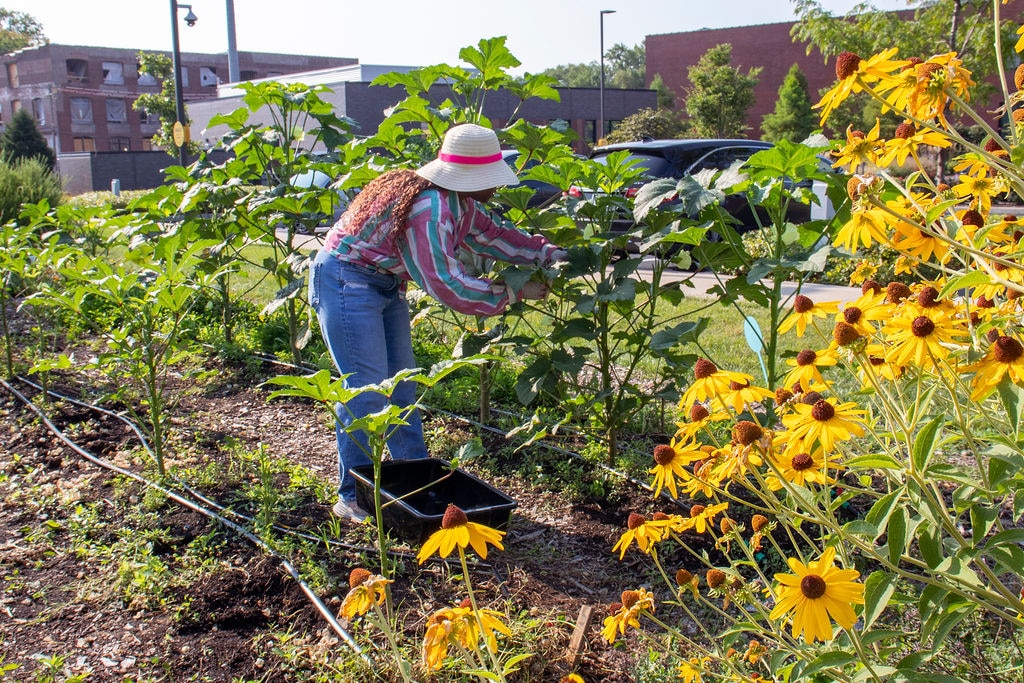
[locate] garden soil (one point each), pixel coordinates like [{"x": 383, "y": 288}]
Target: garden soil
[{"x": 74, "y": 610}]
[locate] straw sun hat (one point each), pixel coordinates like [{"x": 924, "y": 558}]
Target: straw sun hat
[{"x": 469, "y": 160}]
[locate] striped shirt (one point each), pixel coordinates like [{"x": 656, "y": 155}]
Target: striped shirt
[{"x": 439, "y": 228}]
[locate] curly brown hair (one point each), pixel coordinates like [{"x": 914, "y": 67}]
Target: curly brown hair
[{"x": 386, "y": 200}]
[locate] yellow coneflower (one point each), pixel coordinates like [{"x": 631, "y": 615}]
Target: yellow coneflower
[
  {"x": 1005, "y": 358},
  {"x": 938, "y": 78},
  {"x": 703, "y": 481},
  {"x": 445, "y": 627},
  {"x": 704, "y": 516},
  {"x": 710, "y": 383},
  {"x": 860, "y": 149},
  {"x": 690, "y": 670},
  {"x": 863, "y": 271},
  {"x": 865, "y": 227},
  {"x": 815, "y": 593},
  {"x": 807, "y": 367},
  {"x": 979, "y": 187},
  {"x": 688, "y": 581},
  {"x": 669, "y": 461},
  {"x": 922, "y": 244},
  {"x": 642, "y": 531},
  {"x": 825, "y": 422},
  {"x": 571, "y": 678},
  {"x": 854, "y": 74},
  {"x": 921, "y": 340},
  {"x": 627, "y": 613},
  {"x": 743, "y": 394},
  {"x": 800, "y": 467},
  {"x": 457, "y": 531},
  {"x": 905, "y": 142},
  {"x": 365, "y": 590},
  {"x": 805, "y": 310}
]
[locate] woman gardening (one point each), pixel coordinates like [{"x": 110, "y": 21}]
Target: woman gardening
[{"x": 412, "y": 225}]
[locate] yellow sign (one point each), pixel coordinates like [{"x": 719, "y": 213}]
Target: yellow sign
[{"x": 180, "y": 134}]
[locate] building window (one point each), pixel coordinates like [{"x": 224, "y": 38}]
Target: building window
[
  {"x": 208, "y": 77},
  {"x": 113, "y": 73},
  {"x": 117, "y": 112},
  {"x": 12, "y": 75},
  {"x": 78, "y": 70},
  {"x": 146, "y": 78},
  {"x": 85, "y": 144},
  {"x": 148, "y": 118},
  {"x": 120, "y": 144},
  {"x": 15, "y": 105},
  {"x": 184, "y": 77},
  {"x": 590, "y": 131},
  {"x": 247, "y": 75},
  {"x": 39, "y": 111},
  {"x": 81, "y": 110},
  {"x": 146, "y": 145}
]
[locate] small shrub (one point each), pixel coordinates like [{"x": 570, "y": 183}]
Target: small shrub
[{"x": 26, "y": 181}]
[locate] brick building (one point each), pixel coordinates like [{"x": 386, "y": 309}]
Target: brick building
[
  {"x": 81, "y": 97},
  {"x": 769, "y": 46}
]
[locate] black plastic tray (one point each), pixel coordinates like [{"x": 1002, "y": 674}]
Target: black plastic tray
[{"x": 415, "y": 517}]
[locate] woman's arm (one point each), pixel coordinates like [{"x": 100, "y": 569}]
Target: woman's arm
[{"x": 494, "y": 237}]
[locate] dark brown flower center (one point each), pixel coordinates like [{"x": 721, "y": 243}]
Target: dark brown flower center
[
  {"x": 984, "y": 302},
  {"x": 973, "y": 217},
  {"x": 846, "y": 65},
  {"x": 896, "y": 292},
  {"x": 1007, "y": 349},
  {"x": 758, "y": 522},
  {"x": 992, "y": 146},
  {"x": 698, "y": 412},
  {"x": 746, "y": 432},
  {"x": 823, "y": 411},
  {"x": 629, "y": 598},
  {"x": 905, "y": 130},
  {"x": 453, "y": 517},
  {"x": 664, "y": 454},
  {"x": 696, "y": 510},
  {"x": 813, "y": 586},
  {"x": 922, "y": 326},
  {"x": 802, "y": 304},
  {"x": 736, "y": 386},
  {"x": 782, "y": 395},
  {"x": 926, "y": 70},
  {"x": 635, "y": 520},
  {"x": 704, "y": 368},
  {"x": 845, "y": 333},
  {"x": 659, "y": 516},
  {"x": 928, "y": 297},
  {"x": 357, "y": 576},
  {"x": 683, "y": 577},
  {"x": 811, "y": 397},
  {"x": 715, "y": 577},
  {"x": 802, "y": 461},
  {"x": 870, "y": 286},
  {"x": 992, "y": 335},
  {"x": 806, "y": 357},
  {"x": 852, "y": 314}
]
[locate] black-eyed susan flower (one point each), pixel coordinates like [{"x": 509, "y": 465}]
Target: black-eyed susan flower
[
  {"x": 906, "y": 141},
  {"x": 690, "y": 670},
  {"x": 704, "y": 515},
  {"x": 700, "y": 415},
  {"x": 710, "y": 383},
  {"x": 457, "y": 531},
  {"x": 865, "y": 227},
  {"x": 445, "y": 627},
  {"x": 921, "y": 340},
  {"x": 854, "y": 74},
  {"x": 817, "y": 593},
  {"x": 627, "y": 613},
  {"x": 571, "y": 678},
  {"x": 800, "y": 468},
  {"x": 826, "y": 422},
  {"x": 688, "y": 581},
  {"x": 743, "y": 394},
  {"x": 642, "y": 531},
  {"x": 939, "y": 79},
  {"x": 805, "y": 310},
  {"x": 979, "y": 188},
  {"x": 860, "y": 148},
  {"x": 669, "y": 461},
  {"x": 807, "y": 367},
  {"x": 365, "y": 590},
  {"x": 1005, "y": 358}
]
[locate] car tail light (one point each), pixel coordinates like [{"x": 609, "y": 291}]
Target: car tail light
[
  {"x": 631, "y": 192},
  {"x": 575, "y": 192}
]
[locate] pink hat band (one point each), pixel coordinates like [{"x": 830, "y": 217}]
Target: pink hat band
[{"x": 462, "y": 159}]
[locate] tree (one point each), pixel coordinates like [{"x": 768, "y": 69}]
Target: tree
[
  {"x": 22, "y": 140},
  {"x": 18, "y": 30},
  {"x": 793, "y": 118},
  {"x": 938, "y": 26},
  {"x": 625, "y": 67},
  {"x": 162, "y": 103},
  {"x": 658, "y": 124},
  {"x": 666, "y": 98},
  {"x": 719, "y": 94}
]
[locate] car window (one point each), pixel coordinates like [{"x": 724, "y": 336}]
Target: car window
[
  {"x": 721, "y": 159},
  {"x": 653, "y": 166}
]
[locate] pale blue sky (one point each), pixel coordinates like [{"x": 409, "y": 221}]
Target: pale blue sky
[{"x": 541, "y": 33}]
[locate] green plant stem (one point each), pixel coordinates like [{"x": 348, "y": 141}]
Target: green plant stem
[
  {"x": 384, "y": 624},
  {"x": 497, "y": 668}
]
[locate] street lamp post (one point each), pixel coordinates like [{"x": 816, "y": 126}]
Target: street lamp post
[
  {"x": 600, "y": 122},
  {"x": 180, "y": 127}
]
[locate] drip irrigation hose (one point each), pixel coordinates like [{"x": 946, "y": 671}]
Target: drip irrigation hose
[{"x": 181, "y": 500}]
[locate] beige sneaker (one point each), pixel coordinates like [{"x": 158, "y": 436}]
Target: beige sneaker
[{"x": 347, "y": 509}]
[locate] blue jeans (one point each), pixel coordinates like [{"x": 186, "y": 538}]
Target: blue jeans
[{"x": 364, "y": 319}]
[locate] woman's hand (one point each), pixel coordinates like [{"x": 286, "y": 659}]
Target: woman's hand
[{"x": 534, "y": 290}]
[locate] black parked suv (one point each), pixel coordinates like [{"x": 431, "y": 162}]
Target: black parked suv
[{"x": 679, "y": 158}]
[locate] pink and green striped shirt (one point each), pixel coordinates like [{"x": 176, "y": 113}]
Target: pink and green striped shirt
[{"x": 438, "y": 229}]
